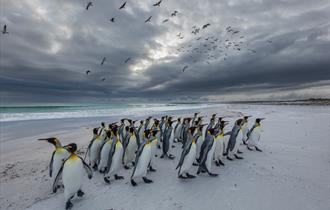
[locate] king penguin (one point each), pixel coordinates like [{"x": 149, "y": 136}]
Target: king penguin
[
  {"x": 72, "y": 171},
  {"x": 199, "y": 139},
  {"x": 187, "y": 156},
  {"x": 142, "y": 160},
  {"x": 177, "y": 130},
  {"x": 94, "y": 149},
  {"x": 167, "y": 140},
  {"x": 254, "y": 135},
  {"x": 219, "y": 144},
  {"x": 154, "y": 138},
  {"x": 58, "y": 156},
  {"x": 245, "y": 128},
  {"x": 114, "y": 159},
  {"x": 232, "y": 146},
  {"x": 130, "y": 148},
  {"x": 206, "y": 154}
]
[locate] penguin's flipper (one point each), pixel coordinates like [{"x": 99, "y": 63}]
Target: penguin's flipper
[
  {"x": 227, "y": 134},
  {"x": 51, "y": 164},
  {"x": 58, "y": 176},
  {"x": 89, "y": 171},
  {"x": 111, "y": 153},
  {"x": 88, "y": 148}
]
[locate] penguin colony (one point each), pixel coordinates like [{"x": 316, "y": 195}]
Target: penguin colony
[{"x": 125, "y": 145}]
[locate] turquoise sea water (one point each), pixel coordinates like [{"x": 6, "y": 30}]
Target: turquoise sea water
[{"x": 55, "y": 111}]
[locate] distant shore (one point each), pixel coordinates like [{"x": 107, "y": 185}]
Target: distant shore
[{"x": 311, "y": 102}]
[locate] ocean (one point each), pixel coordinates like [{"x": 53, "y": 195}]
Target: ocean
[{"x": 55, "y": 111}]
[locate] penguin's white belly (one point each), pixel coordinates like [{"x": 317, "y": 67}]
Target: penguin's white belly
[
  {"x": 95, "y": 151},
  {"x": 104, "y": 156},
  {"x": 116, "y": 159},
  {"x": 177, "y": 132},
  {"x": 72, "y": 176},
  {"x": 188, "y": 160},
  {"x": 58, "y": 159},
  {"x": 130, "y": 150},
  {"x": 210, "y": 157},
  {"x": 143, "y": 162},
  {"x": 238, "y": 142},
  {"x": 218, "y": 152},
  {"x": 153, "y": 149},
  {"x": 254, "y": 137}
]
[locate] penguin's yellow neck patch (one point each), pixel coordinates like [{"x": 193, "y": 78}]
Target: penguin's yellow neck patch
[
  {"x": 59, "y": 150},
  {"x": 74, "y": 157}
]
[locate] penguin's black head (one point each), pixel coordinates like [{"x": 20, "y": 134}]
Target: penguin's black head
[
  {"x": 95, "y": 130},
  {"x": 247, "y": 117},
  {"x": 54, "y": 141},
  {"x": 195, "y": 114},
  {"x": 71, "y": 147},
  {"x": 213, "y": 115},
  {"x": 196, "y": 123},
  {"x": 154, "y": 132},
  {"x": 126, "y": 128},
  {"x": 114, "y": 130},
  {"x": 258, "y": 120},
  {"x": 102, "y": 124},
  {"x": 179, "y": 119},
  {"x": 211, "y": 130},
  {"x": 147, "y": 133},
  {"x": 141, "y": 122},
  {"x": 192, "y": 129},
  {"x": 239, "y": 122}
]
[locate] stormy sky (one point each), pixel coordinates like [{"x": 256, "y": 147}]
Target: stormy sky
[{"x": 252, "y": 50}]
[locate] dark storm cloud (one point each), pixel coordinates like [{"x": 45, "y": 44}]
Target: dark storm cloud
[{"x": 51, "y": 44}]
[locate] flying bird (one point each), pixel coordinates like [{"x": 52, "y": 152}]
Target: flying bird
[
  {"x": 4, "y": 31},
  {"x": 112, "y": 19},
  {"x": 174, "y": 13},
  {"x": 179, "y": 34},
  {"x": 129, "y": 58},
  {"x": 103, "y": 60},
  {"x": 148, "y": 20},
  {"x": 103, "y": 79},
  {"x": 184, "y": 68},
  {"x": 206, "y": 25},
  {"x": 157, "y": 4},
  {"x": 164, "y": 21},
  {"x": 88, "y": 71},
  {"x": 89, "y": 4},
  {"x": 123, "y": 6}
]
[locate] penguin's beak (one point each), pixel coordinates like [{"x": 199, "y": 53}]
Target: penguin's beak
[{"x": 262, "y": 118}]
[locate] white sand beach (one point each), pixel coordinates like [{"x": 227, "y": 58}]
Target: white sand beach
[{"x": 292, "y": 172}]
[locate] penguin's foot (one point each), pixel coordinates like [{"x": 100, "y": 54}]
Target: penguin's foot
[
  {"x": 190, "y": 176},
  {"x": 259, "y": 150},
  {"x": 158, "y": 146},
  {"x": 217, "y": 163},
  {"x": 212, "y": 174},
  {"x": 221, "y": 163},
  {"x": 68, "y": 205},
  {"x": 162, "y": 156},
  {"x": 182, "y": 177},
  {"x": 133, "y": 163},
  {"x": 118, "y": 177},
  {"x": 170, "y": 156},
  {"x": 239, "y": 152},
  {"x": 107, "y": 180},
  {"x": 244, "y": 142},
  {"x": 195, "y": 164},
  {"x": 152, "y": 169},
  {"x": 80, "y": 193},
  {"x": 225, "y": 154},
  {"x": 146, "y": 180},
  {"x": 238, "y": 157},
  {"x": 126, "y": 167},
  {"x": 173, "y": 146},
  {"x": 229, "y": 158},
  {"x": 249, "y": 148},
  {"x": 95, "y": 167},
  {"x": 133, "y": 183}
]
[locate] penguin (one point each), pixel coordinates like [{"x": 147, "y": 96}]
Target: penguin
[
  {"x": 199, "y": 139},
  {"x": 72, "y": 172},
  {"x": 130, "y": 148},
  {"x": 167, "y": 140},
  {"x": 142, "y": 160},
  {"x": 254, "y": 135},
  {"x": 156, "y": 126},
  {"x": 232, "y": 146},
  {"x": 102, "y": 131},
  {"x": 154, "y": 139},
  {"x": 140, "y": 132},
  {"x": 94, "y": 149},
  {"x": 245, "y": 129},
  {"x": 219, "y": 144},
  {"x": 114, "y": 158},
  {"x": 184, "y": 131},
  {"x": 206, "y": 154},
  {"x": 121, "y": 129},
  {"x": 147, "y": 124},
  {"x": 187, "y": 156},
  {"x": 58, "y": 156},
  {"x": 211, "y": 124},
  {"x": 194, "y": 118},
  {"x": 104, "y": 151},
  {"x": 177, "y": 130}
]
